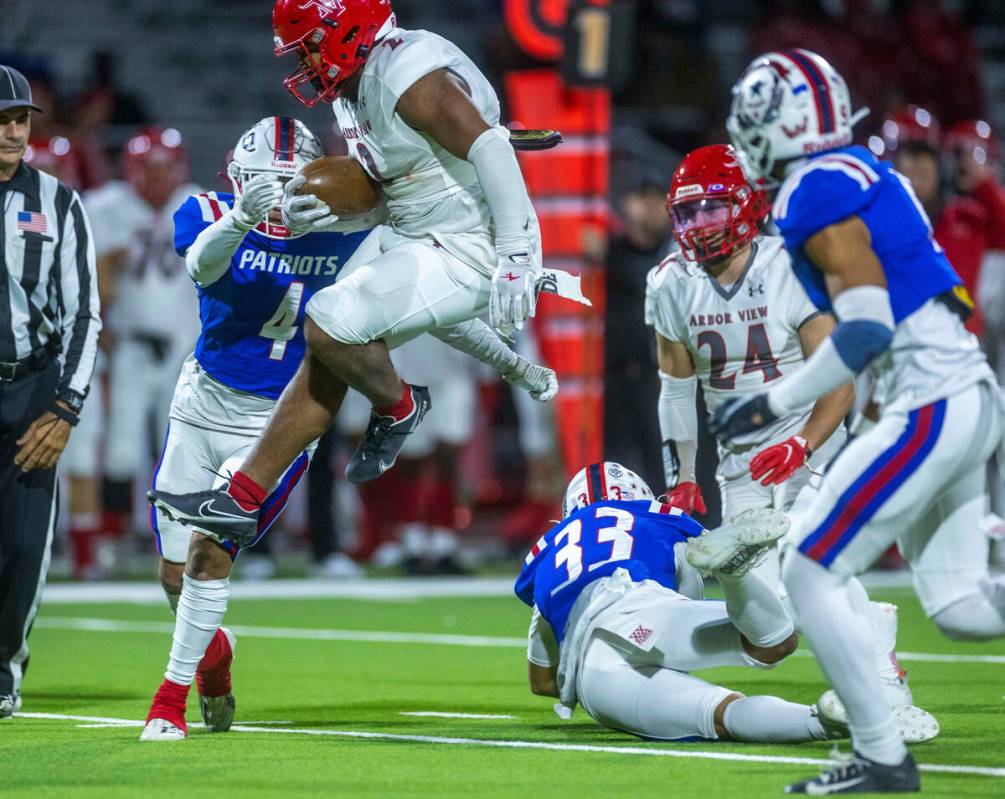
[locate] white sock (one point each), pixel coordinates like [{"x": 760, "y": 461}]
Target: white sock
[
  {"x": 755, "y": 608},
  {"x": 768, "y": 719},
  {"x": 198, "y": 617},
  {"x": 835, "y": 622}
]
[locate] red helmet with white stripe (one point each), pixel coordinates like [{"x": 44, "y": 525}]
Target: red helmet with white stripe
[
  {"x": 911, "y": 125},
  {"x": 600, "y": 481},
  {"x": 332, "y": 39},
  {"x": 713, "y": 208},
  {"x": 788, "y": 105},
  {"x": 55, "y": 156},
  {"x": 279, "y": 146}
]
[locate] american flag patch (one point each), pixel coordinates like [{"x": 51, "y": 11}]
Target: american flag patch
[{"x": 32, "y": 222}]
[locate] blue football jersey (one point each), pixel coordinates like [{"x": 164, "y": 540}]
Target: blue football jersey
[
  {"x": 849, "y": 181},
  {"x": 592, "y": 542},
  {"x": 252, "y": 317}
]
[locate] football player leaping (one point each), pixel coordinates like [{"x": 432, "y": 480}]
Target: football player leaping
[
  {"x": 615, "y": 626},
  {"x": 462, "y": 237},
  {"x": 254, "y": 278},
  {"x": 861, "y": 245},
  {"x": 730, "y": 314}
]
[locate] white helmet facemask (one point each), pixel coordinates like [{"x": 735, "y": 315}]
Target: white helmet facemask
[
  {"x": 278, "y": 146},
  {"x": 787, "y": 106},
  {"x": 600, "y": 481}
]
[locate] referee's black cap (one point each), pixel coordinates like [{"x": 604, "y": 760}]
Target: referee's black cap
[{"x": 15, "y": 92}]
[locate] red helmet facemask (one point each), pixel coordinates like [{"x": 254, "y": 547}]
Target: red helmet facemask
[
  {"x": 332, "y": 39},
  {"x": 714, "y": 210}
]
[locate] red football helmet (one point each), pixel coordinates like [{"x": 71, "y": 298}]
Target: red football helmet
[
  {"x": 974, "y": 136},
  {"x": 155, "y": 164},
  {"x": 713, "y": 207},
  {"x": 57, "y": 157},
  {"x": 332, "y": 38},
  {"x": 911, "y": 125}
]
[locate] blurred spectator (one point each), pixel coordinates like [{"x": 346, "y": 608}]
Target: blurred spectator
[
  {"x": 631, "y": 429},
  {"x": 328, "y": 559}
]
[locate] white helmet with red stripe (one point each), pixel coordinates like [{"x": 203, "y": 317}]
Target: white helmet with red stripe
[
  {"x": 600, "y": 481},
  {"x": 788, "y": 105},
  {"x": 278, "y": 146}
]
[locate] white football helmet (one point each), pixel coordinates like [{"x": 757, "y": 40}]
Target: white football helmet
[
  {"x": 600, "y": 481},
  {"x": 786, "y": 106},
  {"x": 276, "y": 145}
]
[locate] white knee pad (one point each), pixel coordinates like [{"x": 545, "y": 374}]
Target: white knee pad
[{"x": 979, "y": 616}]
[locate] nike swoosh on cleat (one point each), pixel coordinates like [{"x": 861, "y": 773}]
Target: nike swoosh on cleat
[
  {"x": 208, "y": 506},
  {"x": 834, "y": 787}
]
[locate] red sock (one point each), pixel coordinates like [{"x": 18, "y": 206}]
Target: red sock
[
  {"x": 82, "y": 548},
  {"x": 212, "y": 678},
  {"x": 169, "y": 704},
  {"x": 246, "y": 492},
  {"x": 402, "y": 408}
]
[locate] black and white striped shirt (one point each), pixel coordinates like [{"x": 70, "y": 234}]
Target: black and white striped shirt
[{"x": 48, "y": 281}]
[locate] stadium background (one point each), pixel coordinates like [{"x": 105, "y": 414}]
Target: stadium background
[{"x": 657, "y": 86}]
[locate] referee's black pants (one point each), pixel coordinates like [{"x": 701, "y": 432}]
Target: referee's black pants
[{"x": 28, "y": 506}]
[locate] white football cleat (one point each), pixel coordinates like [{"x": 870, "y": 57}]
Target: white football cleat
[
  {"x": 916, "y": 725},
  {"x": 735, "y": 547},
  {"x": 217, "y": 712},
  {"x": 9, "y": 705},
  {"x": 162, "y": 730}
]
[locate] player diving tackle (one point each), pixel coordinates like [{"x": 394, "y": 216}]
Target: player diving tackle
[
  {"x": 619, "y": 620},
  {"x": 254, "y": 277},
  {"x": 915, "y": 473}
]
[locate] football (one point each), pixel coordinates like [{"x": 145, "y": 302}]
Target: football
[{"x": 342, "y": 184}]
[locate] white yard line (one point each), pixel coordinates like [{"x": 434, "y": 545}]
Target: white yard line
[
  {"x": 983, "y": 771},
  {"x": 387, "y": 637},
  {"x": 380, "y": 589},
  {"x": 439, "y": 715}
]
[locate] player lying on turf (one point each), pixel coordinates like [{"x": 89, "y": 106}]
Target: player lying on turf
[
  {"x": 862, "y": 246},
  {"x": 619, "y": 620},
  {"x": 462, "y": 237},
  {"x": 254, "y": 277},
  {"x": 730, "y": 314}
]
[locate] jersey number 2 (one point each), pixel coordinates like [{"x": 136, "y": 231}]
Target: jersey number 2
[
  {"x": 618, "y": 536},
  {"x": 282, "y": 326},
  {"x": 759, "y": 357}
]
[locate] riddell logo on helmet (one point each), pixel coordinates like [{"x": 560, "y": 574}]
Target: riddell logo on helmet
[
  {"x": 830, "y": 143},
  {"x": 282, "y": 164},
  {"x": 688, "y": 191}
]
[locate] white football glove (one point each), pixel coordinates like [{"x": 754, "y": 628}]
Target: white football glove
[
  {"x": 538, "y": 381},
  {"x": 305, "y": 213},
  {"x": 259, "y": 196},
  {"x": 514, "y": 293}
]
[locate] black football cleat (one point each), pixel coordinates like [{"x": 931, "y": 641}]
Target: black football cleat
[
  {"x": 213, "y": 512},
  {"x": 861, "y": 775},
  {"x": 384, "y": 439}
]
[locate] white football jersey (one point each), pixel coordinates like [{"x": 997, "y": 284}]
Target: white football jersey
[
  {"x": 741, "y": 338},
  {"x": 154, "y": 294},
  {"x": 430, "y": 191}
]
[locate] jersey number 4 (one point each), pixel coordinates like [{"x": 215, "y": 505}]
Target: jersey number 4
[
  {"x": 282, "y": 325},
  {"x": 759, "y": 357},
  {"x": 618, "y": 536}
]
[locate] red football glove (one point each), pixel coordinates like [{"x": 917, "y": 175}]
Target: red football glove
[
  {"x": 687, "y": 497},
  {"x": 778, "y": 463}
]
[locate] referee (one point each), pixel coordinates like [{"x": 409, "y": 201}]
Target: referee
[{"x": 48, "y": 338}]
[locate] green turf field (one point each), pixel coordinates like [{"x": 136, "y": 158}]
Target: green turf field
[{"x": 336, "y": 686}]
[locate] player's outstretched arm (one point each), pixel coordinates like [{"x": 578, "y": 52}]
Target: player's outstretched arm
[
  {"x": 439, "y": 106},
  {"x": 477, "y": 339},
  {"x": 678, "y": 416},
  {"x": 542, "y": 656},
  {"x": 208, "y": 259}
]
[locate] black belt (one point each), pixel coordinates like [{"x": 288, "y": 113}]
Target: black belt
[
  {"x": 958, "y": 301},
  {"x": 38, "y": 360}
]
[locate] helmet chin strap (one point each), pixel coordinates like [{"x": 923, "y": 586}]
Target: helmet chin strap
[{"x": 859, "y": 115}]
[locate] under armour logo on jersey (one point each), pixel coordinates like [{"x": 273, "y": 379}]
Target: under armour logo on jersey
[
  {"x": 640, "y": 634},
  {"x": 759, "y": 289}
]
